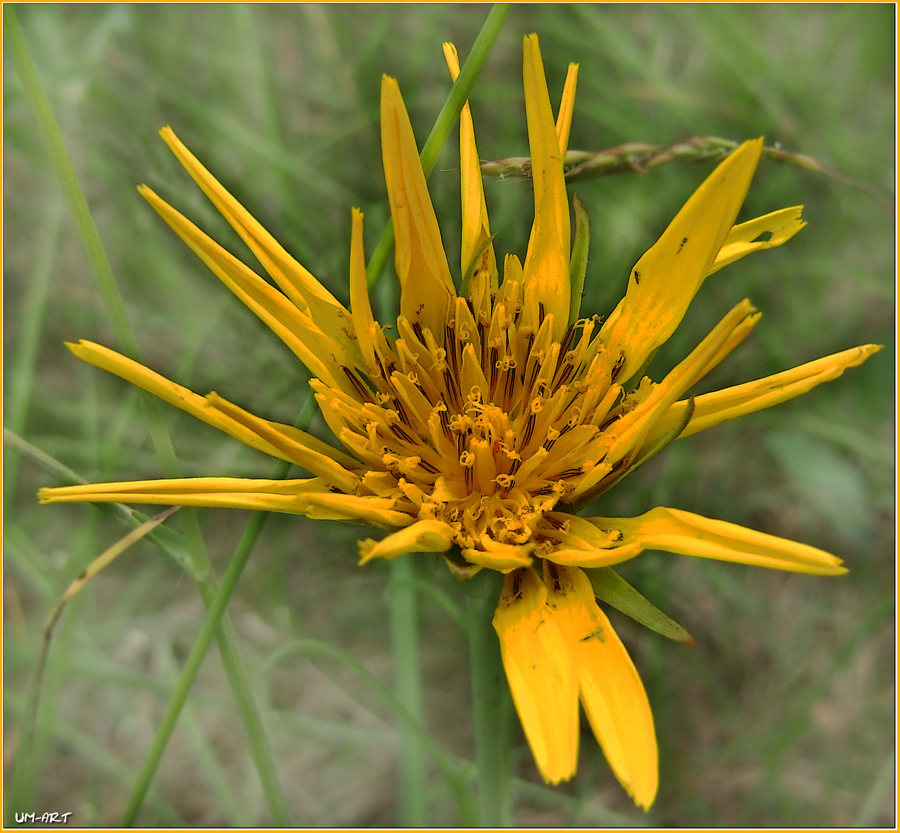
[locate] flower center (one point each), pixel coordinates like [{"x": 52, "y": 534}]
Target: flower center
[{"x": 488, "y": 430}]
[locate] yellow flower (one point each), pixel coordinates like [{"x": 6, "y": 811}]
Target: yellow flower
[{"x": 495, "y": 411}]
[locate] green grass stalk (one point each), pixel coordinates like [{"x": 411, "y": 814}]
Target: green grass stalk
[
  {"x": 450, "y": 769},
  {"x": 215, "y": 617},
  {"x": 490, "y": 707},
  {"x": 24, "y": 355},
  {"x": 125, "y": 336},
  {"x": 443, "y": 124},
  {"x": 413, "y": 805}
]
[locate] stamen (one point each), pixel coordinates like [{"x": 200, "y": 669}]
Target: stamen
[
  {"x": 554, "y": 576},
  {"x": 358, "y": 386},
  {"x": 510, "y": 386},
  {"x": 402, "y": 412},
  {"x": 544, "y": 490},
  {"x": 445, "y": 420},
  {"x": 554, "y": 522},
  {"x": 529, "y": 429},
  {"x": 494, "y": 361},
  {"x": 517, "y": 585},
  {"x": 569, "y": 473},
  {"x": 452, "y": 389},
  {"x": 450, "y": 346},
  {"x": 402, "y": 435},
  {"x": 529, "y": 342},
  {"x": 567, "y": 371},
  {"x": 567, "y": 340}
]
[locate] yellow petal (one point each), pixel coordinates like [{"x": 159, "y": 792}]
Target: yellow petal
[
  {"x": 499, "y": 556},
  {"x": 630, "y": 432},
  {"x": 319, "y": 456},
  {"x": 611, "y": 689},
  {"x": 743, "y": 239},
  {"x": 294, "y": 447},
  {"x": 322, "y": 354},
  {"x": 306, "y": 293},
  {"x": 312, "y": 498},
  {"x": 546, "y": 270},
  {"x": 541, "y": 674},
  {"x": 360, "y": 303},
  {"x": 476, "y": 231},
  {"x": 712, "y": 408},
  {"x": 672, "y": 530},
  {"x": 566, "y": 109},
  {"x": 664, "y": 281},
  {"x": 421, "y": 536},
  {"x": 425, "y": 284}
]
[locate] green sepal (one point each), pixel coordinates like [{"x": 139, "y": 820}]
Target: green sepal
[
  {"x": 611, "y": 588},
  {"x": 635, "y": 380},
  {"x": 473, "y": 266},
  {"x": 578, "y": 261},
  {"x": 649, "y": 452}
]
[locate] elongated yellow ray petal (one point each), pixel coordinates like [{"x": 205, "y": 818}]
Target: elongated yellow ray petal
[
  {"x": 323, "y": 355},
  {"x": 422, "y": 536},
  {"x": 293, "y": 447},
  {"x": 611, "y": 690},
  {"x": 476, "y": 231},
  {"x": 664, "y": 281},
  {"x": 360, "y": 303},
  {"x": 712, "y": 408},
  {"x": 743, "y": 239},
  {"x": 546, "y": 270},
  {"x": 630, "y": 432},
  {"x": 566, "y": 109},
  {"x": 312, "y": 498},
  {"x": 426, "y": 288},
  {"x": 307, "y": 294},
  {"x": 673, "y": 530},
  {"x": 318, "y": 456},
  {"x": 541, "y": 673}
]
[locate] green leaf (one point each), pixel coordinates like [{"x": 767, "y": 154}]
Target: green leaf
[
  {"x": 611, "y": 588},
  {"x": 578, "y": 261}
]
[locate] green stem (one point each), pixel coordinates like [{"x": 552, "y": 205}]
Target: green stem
[
  {"x": 445, "y": 120},
  {"x": 408, "y": 689},
  {"x": 490, "y": 706},
  {"x": 256, "y": 735},
  {"x": 216, "y": 602}
]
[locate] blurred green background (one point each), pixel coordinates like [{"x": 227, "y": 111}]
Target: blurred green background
[{"x": 783, "y": 713}]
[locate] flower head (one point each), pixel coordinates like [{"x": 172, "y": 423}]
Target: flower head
[{"x": 494, "y": 411}]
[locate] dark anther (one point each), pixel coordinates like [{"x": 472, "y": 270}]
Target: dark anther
[
  {"x": 569, "y": 473},
  {"x": 401, "y": 434},
  {"x": 529, "y": 430},
  {"x": 566, "y": 342},
  {"x": 358, "y": 386}
]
